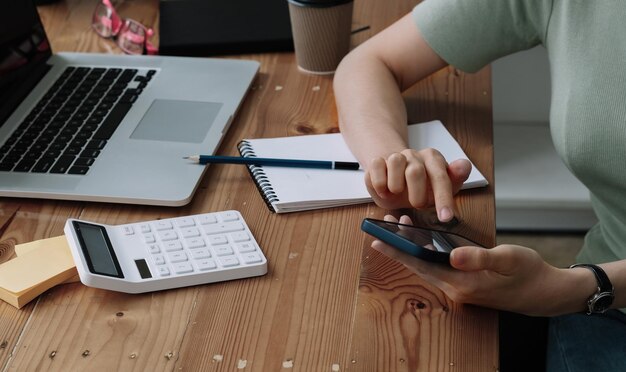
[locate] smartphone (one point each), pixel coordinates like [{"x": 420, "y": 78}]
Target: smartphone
[{"x": 426, "y": 244}]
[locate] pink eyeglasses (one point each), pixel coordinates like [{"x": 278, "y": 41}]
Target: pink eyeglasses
[{"x": 130, "y": 35}]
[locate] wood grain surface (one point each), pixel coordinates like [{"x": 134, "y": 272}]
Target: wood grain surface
[{"x": 328, "y": 303}]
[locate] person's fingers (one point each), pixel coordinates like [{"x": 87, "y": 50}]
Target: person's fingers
[
  {"x": 396, "y": 164},
  {"x": 377, "y": 172},
  {"x": 388, "y": 250},
  {"x": 459, "y": 170},
  {"x": 390, "y": 218},
  {"x": 416, "y": 179},
  {"x": 413, "y": 263},
  {"x": 476, "y": 258},
  {"x": 415, "y": 176},
  {"x": 405, "y": 220},
  {"x": 440, "y": 183},
  {"x": 434, "y": 273}
]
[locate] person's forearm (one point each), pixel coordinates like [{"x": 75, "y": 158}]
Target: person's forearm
[
  {"x": 368, "y": 84},
  {"x": 372, "y": 113}
]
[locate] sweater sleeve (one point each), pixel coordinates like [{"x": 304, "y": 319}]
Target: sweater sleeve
[{"x": 469, "y": 34}]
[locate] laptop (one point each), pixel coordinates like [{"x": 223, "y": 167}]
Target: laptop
[{"x": 107, "y": 128}]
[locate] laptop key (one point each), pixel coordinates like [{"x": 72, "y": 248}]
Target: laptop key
[
  {"x": 25, "y": 165},
  {"x": 90, "y": 153},
  {"x": 33, "y": 154},
  {"x": 72, "y": 151},
  {"x": 78, "y": 170},
  {"x": 5, "y": 167},
  {"x": 96, "y": 144},
  {"x": 127, "y": 75},
  {"x": 113, "y": 73},
  {"x": 5, "y": 149},
  {"x": 85, "y": 162},
  {"x": 62, "y": 164},
  {"x": 128, "y": 98},
  {"x": 112, "y": 121},
  {"x": 52, "y": 154},
  {"x": 78, "y": 143},
  {"x": 57, "y": 145},
  {"x": 43, "y": 165}
]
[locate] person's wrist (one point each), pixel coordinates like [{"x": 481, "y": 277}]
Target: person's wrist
[
  {"x": 568, "y": 292},
  {"x": 602, "y": 299},
  {"x": 581, "y": 285}
]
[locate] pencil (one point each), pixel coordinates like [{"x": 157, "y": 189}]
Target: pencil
[{"x": 294, "y": 163}]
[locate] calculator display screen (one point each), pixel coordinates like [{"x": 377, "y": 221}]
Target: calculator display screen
[{"x": 97, "y": 249}]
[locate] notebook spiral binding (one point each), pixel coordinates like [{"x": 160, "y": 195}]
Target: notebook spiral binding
[{"x": 258, "y": 176}]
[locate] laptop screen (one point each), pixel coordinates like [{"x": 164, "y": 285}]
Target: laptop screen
[{"x": 24, "y": 49}]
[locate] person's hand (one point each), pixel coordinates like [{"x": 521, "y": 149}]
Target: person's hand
[
  {"x": 506, "y": 277},
  {"x": 417, "y": 179}
]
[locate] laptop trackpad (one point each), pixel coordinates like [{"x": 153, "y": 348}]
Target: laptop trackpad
[{"x": 179, "y": 121}]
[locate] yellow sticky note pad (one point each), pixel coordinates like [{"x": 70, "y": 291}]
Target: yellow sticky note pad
[
  {"x": 37, "y": 268},
  {"x": 24, "y": 248}
]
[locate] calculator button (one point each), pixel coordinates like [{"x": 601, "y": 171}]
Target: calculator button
[
  {"x": 185, "y": 222},
  {"x": 177, "y": 257},
  {"x": 218, "y": 239},
  {"x": 229, "y": 261},
  {"x": 149, "y": 238},
  {"x": 163, "y": 225},
  {"x": 190, "y": 232},
  {"x": 251, "y": 258},
  {"x": 201, "y": 253},
  {"x": 223, "y": 250},
  {"x": 145, "y": 228},
  {"x": 173, "y": 246},
  {"x": 240, "y": 237},
  {"x": 164, "y": 271},
  {"x": 221, "y": 228},
  {"x": 159, "y": 259},
  {"x": 206, "y": 264},
  {"x": 168, "y": 235},
  {"x": 246, "y": 247},
  {"x": 206, "y": 219},
  {"x": 195, "y": 243},
  {"x": 128, "y": 230},
  {"x": 154, "y": 248},
  {"x": 229, "y": 216},
  {"x": 183, "y": 268}
]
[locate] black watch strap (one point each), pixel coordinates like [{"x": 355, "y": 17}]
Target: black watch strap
[{"x": 600, "y": 301}]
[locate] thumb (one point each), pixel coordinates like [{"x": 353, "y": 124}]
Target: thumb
[
  {"x": 458, "y": 171},
  {"x": 475, "y": 259}
]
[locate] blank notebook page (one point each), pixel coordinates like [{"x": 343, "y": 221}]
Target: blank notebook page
[{"x": 293, "y": 189}]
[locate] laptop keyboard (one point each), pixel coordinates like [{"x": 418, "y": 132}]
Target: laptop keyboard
[{"x": 71, "y": 124}]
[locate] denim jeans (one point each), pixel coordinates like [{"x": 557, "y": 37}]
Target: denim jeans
[{"x": 579, "y": 342}]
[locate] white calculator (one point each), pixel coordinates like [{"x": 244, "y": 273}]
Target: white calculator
[{"x": 162, "y": 254}]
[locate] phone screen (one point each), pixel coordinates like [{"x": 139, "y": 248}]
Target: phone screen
[{"x": 428, "y": 244}]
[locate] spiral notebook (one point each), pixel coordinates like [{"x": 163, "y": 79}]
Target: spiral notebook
[{"x": 297, "y": 189}]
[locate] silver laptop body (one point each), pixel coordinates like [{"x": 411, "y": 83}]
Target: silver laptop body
[{"x": 184, "y": 109}]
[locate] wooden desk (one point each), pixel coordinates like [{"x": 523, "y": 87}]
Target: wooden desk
[{"x": 328, "y": 303}]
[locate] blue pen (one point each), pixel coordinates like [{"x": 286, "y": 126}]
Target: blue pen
[{"x": 295, "y": 163}]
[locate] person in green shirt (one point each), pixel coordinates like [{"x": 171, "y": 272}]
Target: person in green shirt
[{"x": 586, "y": 44}]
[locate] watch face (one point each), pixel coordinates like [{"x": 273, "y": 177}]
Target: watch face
[{"x": 601, "y": 302}]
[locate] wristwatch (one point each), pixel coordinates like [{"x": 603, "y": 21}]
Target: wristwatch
[{"x": 600, "y": 301}]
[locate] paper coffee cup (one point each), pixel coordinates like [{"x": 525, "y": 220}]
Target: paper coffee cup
[{"x": 321, "y": 33}]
